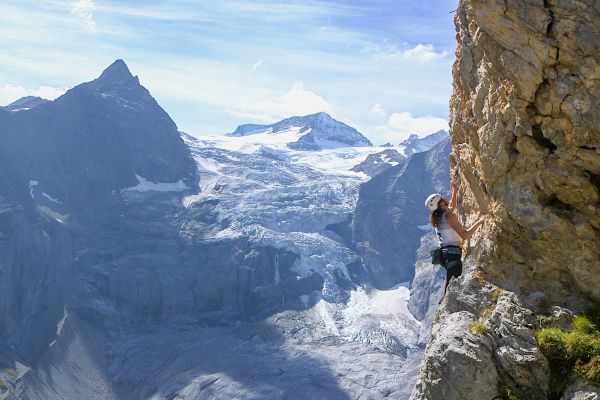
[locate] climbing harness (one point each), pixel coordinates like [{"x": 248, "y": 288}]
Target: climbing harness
[{"x": 447, "y": 256}]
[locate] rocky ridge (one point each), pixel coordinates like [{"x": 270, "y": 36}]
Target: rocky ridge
[
  {"x": 416, "y": 144},
  {"x": 389, "y": 216},
  {"x": 377, "y": 163},
  {"x": 525, "y": 123},
  {"x": 25, "y": 103}
]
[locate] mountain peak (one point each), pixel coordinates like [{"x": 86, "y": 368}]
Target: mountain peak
[
  {"x": 321, "y": 114},
  {"x": 117, "y": 73},
  {"x": 416, "y": 144},
  {"x": 322, "y": 131},
  {"x": 25, "y": 103}
]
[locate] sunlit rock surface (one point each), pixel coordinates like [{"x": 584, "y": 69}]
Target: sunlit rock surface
[{"x": 525, "y": 123}]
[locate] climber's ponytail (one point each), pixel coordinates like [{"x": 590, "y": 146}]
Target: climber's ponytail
[{"x": 436, "y": 217}]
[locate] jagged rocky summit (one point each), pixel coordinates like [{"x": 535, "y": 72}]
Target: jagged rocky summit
[
  {"x": 417, "y": 144},
  {"x": 525, "y": 123},
  {"x": 377, "y": 163},
  {"x": 94, "y": 140},
  {"x": 315, "y": 131}
]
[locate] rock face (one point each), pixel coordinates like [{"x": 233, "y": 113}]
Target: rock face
[
  {"x": 385, "y": 229},
  {"x": 65, "y": 160},
  {"x": 377, "y": 163},
  {"x": 94, "y": 140},
  {"x": 427, "y": 288},
  {"x": 525, "y": 123}
]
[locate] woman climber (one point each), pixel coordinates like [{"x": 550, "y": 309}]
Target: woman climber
[{"x": 450, "y": 231}]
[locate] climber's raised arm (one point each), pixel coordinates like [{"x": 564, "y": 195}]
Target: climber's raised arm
[
  {"x": 460, "y": 229},
  {"x": 453, "y": 195}
]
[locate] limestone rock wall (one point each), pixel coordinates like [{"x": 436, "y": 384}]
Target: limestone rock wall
[
  {"x": 525, "y": 123},
  {"x": 525, "y": 118}
]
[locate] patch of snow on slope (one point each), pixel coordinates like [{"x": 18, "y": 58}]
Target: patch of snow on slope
[
  {"x": 145, "y": 185},
  {"x": 32, "y": 184},
  {"x": 387, "y": 159},
  {"x": 52, "y": 199},
  {"x": 210, "y": 175},
  {"x": 377, "y": 318}
]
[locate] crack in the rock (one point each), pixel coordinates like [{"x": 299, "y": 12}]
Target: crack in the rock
[{"x": 538, "y": 136}]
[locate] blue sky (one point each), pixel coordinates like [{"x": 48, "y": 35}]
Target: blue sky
[{"x": 382, "y": 66}]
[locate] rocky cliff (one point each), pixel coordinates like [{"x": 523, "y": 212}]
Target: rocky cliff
[
  {"x": 389, "y": 212},
  {"x": 525, "y": 122}
]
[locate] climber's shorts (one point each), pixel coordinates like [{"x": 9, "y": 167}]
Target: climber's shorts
[{"x": 451, "y": 256}]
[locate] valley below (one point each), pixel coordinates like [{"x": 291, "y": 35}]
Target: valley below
[{"x": 234, "y": 266}]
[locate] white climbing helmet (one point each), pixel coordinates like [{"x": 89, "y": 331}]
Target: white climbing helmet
[{"x": 432, "y": 201}]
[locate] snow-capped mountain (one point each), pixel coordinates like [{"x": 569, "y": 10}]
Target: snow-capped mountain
[
  {"x": 415, "y": 144},
  {"x": 311, "y": 132},
  {"x": 376, "y": 163}
]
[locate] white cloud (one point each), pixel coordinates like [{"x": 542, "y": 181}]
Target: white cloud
[
  {"x": 10, "y": 93},
  {"x": 378, "y": 109},
  {"x": 298, "y": 101},
  {"x": 49, "y": 93},
  {"x": 420, "y": 52},
  {"x": 83, "y": 10},
  {"x": 423, "y": 52},
  {"x": 402, "y": 124},
  {"x": 405, "y": 123},
  {"x": 258, "y": 64}
]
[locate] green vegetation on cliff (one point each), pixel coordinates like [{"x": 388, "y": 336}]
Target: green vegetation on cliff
[{"x": 573, "y": 353}]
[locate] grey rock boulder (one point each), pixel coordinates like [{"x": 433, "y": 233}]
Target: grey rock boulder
[
  {"x": 581, "y": 391},
  {"x": 482, "y": 339}
]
